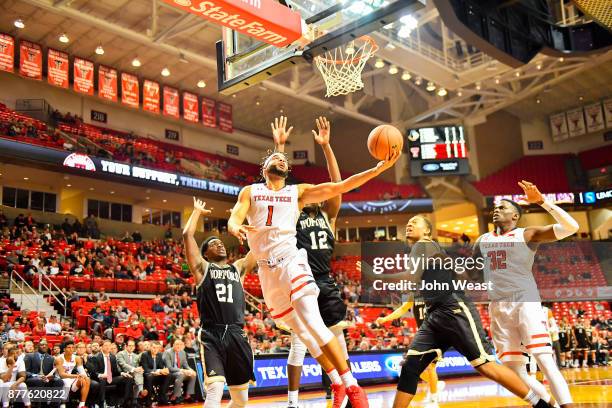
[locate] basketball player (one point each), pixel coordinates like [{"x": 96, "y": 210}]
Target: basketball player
[
  {"x": 516, "y": 312},
  {"x": 583, "y": 335},
  {"x": 565, "y": 342},
  {"x": 226, "y": 354},
  {"x": 451, "y": 321},
  {"x": 315, "y": 233},
  {"x": 430, "y": 376},
  {"x": 65, "y": 364},
  {"x": 288, "y": 286}
]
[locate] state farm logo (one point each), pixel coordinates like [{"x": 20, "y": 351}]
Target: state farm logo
[{"x": 79, "y": 161}]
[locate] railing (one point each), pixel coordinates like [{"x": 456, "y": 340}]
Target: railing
[
  {"x": 50, "y": 288},
  {"x": 18, "y": 282},
  {"x": 253, "y": 301}
]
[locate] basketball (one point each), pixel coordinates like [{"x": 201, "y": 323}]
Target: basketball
[{"x": 383, "y": 139}]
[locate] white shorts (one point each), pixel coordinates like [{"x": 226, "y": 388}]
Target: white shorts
[
  {"x": 70, "y": 385},
  {"x": 285, "y": 282},
  {"x": 519, "y": 328}
]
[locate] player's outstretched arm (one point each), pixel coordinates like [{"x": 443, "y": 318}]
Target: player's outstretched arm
[
  {"x": 196, "y": 263},
  {"x": 239, "y": 213},
  {"x": 332, "y": 206},
  {"x": 310, "y": 193},
  {"x": 246, "y": 264},
  {"x": 397, "y": 313},
  {"x": 565, "y": 226},
  {"x": 280, "y": 133}
]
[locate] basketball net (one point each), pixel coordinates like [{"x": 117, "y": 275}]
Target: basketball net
[{"x": 341, "y": 67}]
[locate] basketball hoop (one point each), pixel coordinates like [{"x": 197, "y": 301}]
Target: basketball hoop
[{"x": 341, "y": 67}]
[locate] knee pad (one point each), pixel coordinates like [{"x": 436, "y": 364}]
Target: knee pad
[
  {"x": 214, "y": 394},
  {"x": 297, "y": 351},
  {"x": 412, "y": 368},
  {"x": 240, "y": 395}
]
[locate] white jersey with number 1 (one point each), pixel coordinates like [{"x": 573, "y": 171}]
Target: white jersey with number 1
[{"x": 275, "y": 214}]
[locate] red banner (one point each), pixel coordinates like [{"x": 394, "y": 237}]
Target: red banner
[
  {"x": 30, "y": 61},
  {"x": 107, "y": 83},
  {"x": 171, "y": 102},
  {"x": 190, "y": 107},
  {"x": 150, "y": 96},
  {"x": 225, "y": 117},
  {"x": 57, "y": 68},
  {"x": 83, "y": 76},
  {"x": 130, "y": 94},
  {"x": 209, "y": 112},
  {"x": 7, "y": 53}
]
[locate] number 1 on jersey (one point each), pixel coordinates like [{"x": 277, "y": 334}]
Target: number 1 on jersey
[{"x": 269, "y": 219}]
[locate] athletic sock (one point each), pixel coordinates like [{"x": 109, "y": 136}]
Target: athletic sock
[
  {"x": 532, "y": 398},
  {"x": 292, "y": 398},
  {"x": 334, "y": 376},
  {"x": 348, "y": 379},
  {"x": 81, "y": 404}
]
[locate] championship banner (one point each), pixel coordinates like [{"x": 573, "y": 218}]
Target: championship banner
[
  {"x": 594, "y": 117},
  {"x": 7, "y": 53},
  {"x": 150, "y": 96},
  {"x": 209, "y": 110},
  {"x": 575, "y": 119},
  {"x": 190, "y": 107},
  {"x": 83, "y": 76},
  {"x": 107, "y": 83},
  {"x": 171, "y": 102},
  {"x": 608, "y": 112},
  {"x": 57, "y": 68},
  {"x": 558, "y": 127},
  {"x": 130, "y": 94},
  {"x": 225, "y": 117},
  {"x": 30, "y": 61}
]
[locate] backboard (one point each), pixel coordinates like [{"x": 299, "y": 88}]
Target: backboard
[{"x": 243, "y": 61}]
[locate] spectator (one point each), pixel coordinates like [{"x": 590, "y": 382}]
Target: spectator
[
  {"x": 39, "y": 367},
  {"x": 15, "y": 334},
  {"x": 156, "y": 374},
  {"x": 53, "y": 328},
  {"x": 134, "y": 331},
  {"x": 129, "y": 362},
  {"x": 102, "y": 296},
  {"x": 20, "y": 222},
  {"x": 105, "y": 369},
  {"x": 66, "y": 227},
  {"x": 168, "y": 233},
  {"x": 91, "y": 227},
  {"x": 13, "y": 376},
  {"x": 136, "y": 236},
  {"x": 176, "y": 361},
  {"x": 3, "y": 221}
]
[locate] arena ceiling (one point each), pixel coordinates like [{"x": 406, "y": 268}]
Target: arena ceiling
[{"x": 161, "y": 36}]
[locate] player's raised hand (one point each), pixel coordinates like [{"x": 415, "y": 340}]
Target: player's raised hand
[
  {"x": 280, "y": 133},
  {"x": 532, "y": 194},
  {"x": 241, "y": 232},
  {"x": 200, "y": 206},
  {"x": 324, "y": 130},
  {"x": 389, "y": 162}
]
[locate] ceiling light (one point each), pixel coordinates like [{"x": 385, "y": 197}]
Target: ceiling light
[
  {"x": 497, "y": 80},
  {"x": 459, "y": 92},
  {"x": 146, "y": 210},
  {"x": 165, "y": 72},
  {"x": 539, "y": 66},
  {"x": 26, "y": 178},
  {"x": 468, "y": 230},
  {"x": 99, "y": 50},
  {"x": 346, "y": 222},
  {"x": 201, "y": 83},
  {"x": 164, "y": 200},
  {"x": 442, "y": 92},
  {"x": 68, "y": 185},
  {"x": 404, "y": 32},
  {"x": 63, "y": 38},
  {"x": 430, "y": 86},
  {"x": 393, "y": 70},
  {"x": 561, "y": 59},
  {"x": 369, "y": 221},
  {"x": 233, "y": 95},
  {"x": 112, "y": 192},
  {"x": 581, "y": 98},
  {"x": 91, "y": 189},
  {"x": 456, "y": 228},
  {"x": 379, "y": 63},
  {"x": 517, "y": 74},
  {"x": 147, "y": 198},
  {"x": 281, "y": 109},
  {"x": 406, "y": 76},
  {"x": 136, "y": 62},
  {"x": 19, "y": 23},
  {"x": 409, "y": 22},
  {"x": 538, "y": 100},
  {"x": 459, "y": 222},
  {"x": 418, "y": 81},
  {"x": 257, "y": 101},
  {"x": 444, "y": 225},
  {"x": 478, "y": 86}
]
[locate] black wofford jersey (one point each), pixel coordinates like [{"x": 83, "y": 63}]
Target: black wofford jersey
[
  {"x": 315, "y": 236},
  {"x": 220, "y": 296}
]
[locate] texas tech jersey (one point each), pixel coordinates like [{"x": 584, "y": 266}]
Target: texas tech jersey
[
  {"x": 220, "y": 296},
  {"x": 317, "y": 238},
  {"x": 274, "y": 213}
]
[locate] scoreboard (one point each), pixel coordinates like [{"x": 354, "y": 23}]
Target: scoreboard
[{"x": 437, "y": 151}]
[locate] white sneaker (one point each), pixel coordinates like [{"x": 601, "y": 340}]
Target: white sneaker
[{"x": 584, "y": 364}]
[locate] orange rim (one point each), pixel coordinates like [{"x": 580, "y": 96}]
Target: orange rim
[{"x": 365, "y": 38}]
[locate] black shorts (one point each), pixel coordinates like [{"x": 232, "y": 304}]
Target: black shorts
[
  {"x": 455, "y": 324},
  {"x": 331, "y": 306},
  {"x": 583, "y": 344},
  {"x": 564, "y": 347},
  {"x": 228, "y": 355}
]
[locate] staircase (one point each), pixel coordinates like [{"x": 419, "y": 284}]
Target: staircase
[{"x": 28, "y": 298}]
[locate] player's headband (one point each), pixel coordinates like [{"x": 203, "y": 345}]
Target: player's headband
[
  {"x": 269, "y": 159},
  {"x": 206, "y": 242}
]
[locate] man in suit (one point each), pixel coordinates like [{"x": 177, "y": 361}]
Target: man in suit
[
  {"x": 176, "y": 361},
  {"x": 104, "y": 368},
  {"x": 155, "y": 374},
  {"x": 40, "y": 371},
  {"x": 129, "y": 362}
]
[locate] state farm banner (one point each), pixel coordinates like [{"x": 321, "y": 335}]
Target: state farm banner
[
  {"x": 171, "y": 102},
  {"x": 150, "y": 96},
  {"x": 225, "y": 117},
  {"x": 83, "y": 76},
  {"x": 107, "y": 83},
  {"x": 57, "y": 68},
  {"x": 190, "y": 107},
  {"x": 265, "y": 20},
  {"x": 130, "y": 93},
  {"x": 575, "y": 119},
  {"x": 209, "y": 112},
  {"x": 594, "y": 117},
  {"x": 30, "y": 60},
  {"x": 7, "y": 53}
]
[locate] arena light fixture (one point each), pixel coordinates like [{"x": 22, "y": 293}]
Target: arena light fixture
[
  {"x": 201, "y": 83},
  {"x": 538, "y": 100},
  {"x": 19, "y": 23},
  {"x": 517, "y": 74},
  {"x": 91, "y": 189},
  {"x": 379, "y": 63},
  {"x": 404, "y": 32},
  {"x": 409, "y": 22},
  {"x": 68, "y": 185},
  {"x": 561, "y": 59},
  {"x": 430, "y": 86},
  {"x": 26, "y": 178},
  {"x": 136, "y": 62},
  {"x": 497, "y": 80},
  {"x": 164, "y": 200},
  {"x": 406, "y": 76},
  {"x": 442, "y": 92},
  {"x": 459, "y": 92},
  {"x": 111, "y": 192},
  {"x": 418, "y": 81},
  {"x": 478, "y": 86},
  {"x": 393, "y": 70},
  {"x": 539, "y": 66},
  {"x": 63, "y": 38},
  {"x": 165, "y": 72},
  {"x": 99, "y": 50},
  {"x": 257, "y": 102}
]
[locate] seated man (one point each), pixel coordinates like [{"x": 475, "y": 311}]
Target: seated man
[
  {"x": 13, "y": 375},
  {"x": 176, "y": 361},
  {"x": 155, "y": 374},
  {"x": 105, "y": 369},
  {"x": 40, "y": 368},
  {"x": 129, "y": 362}
]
